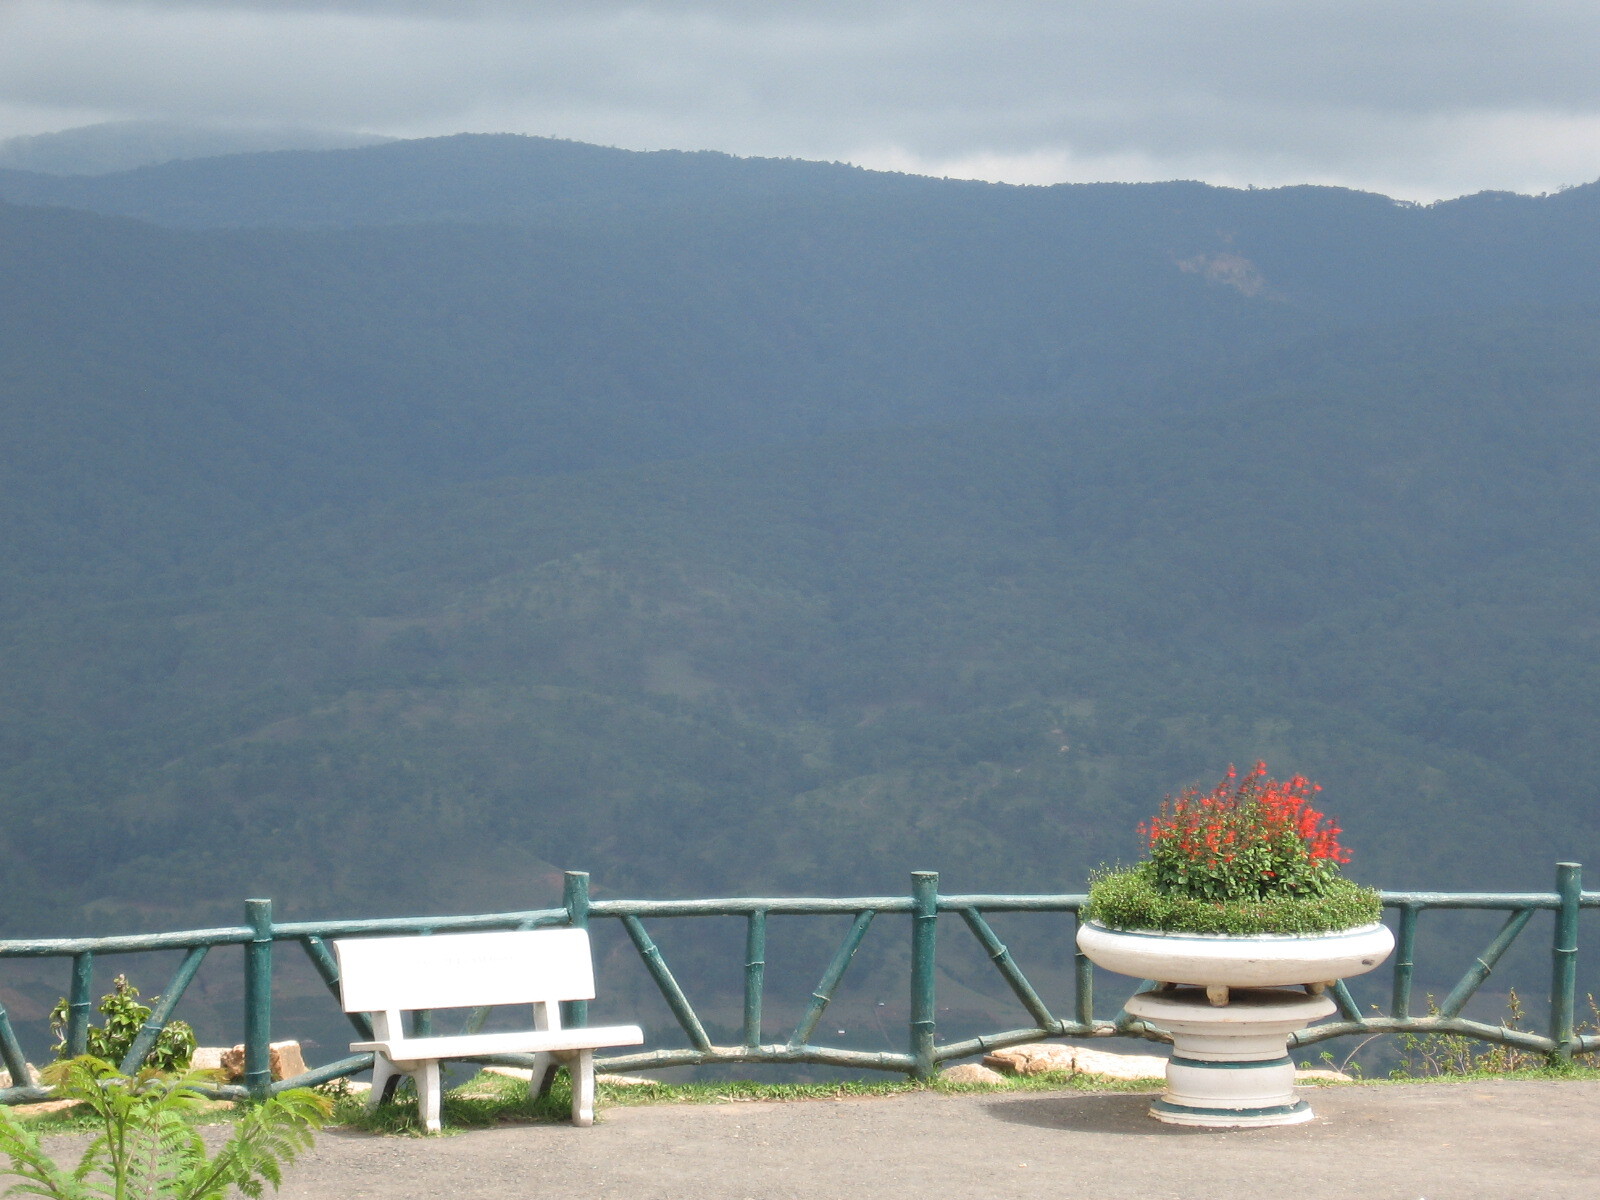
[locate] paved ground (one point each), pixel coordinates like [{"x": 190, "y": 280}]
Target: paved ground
[{"x": 1413, "y": 1142}]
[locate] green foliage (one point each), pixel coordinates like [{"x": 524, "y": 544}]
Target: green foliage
[
  {"x": 1435, "y": 1055},
  {"x": 1133, "y": 899},
  {"x": 1430, "y": 1055},
  {"x": 125, "y": 1016},
  {"x": 145, "y": 1147}
]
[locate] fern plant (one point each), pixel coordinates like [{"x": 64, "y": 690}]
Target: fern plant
[{"x": 146, "y": 1148}]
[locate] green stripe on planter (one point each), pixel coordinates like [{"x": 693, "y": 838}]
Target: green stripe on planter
[{"x": 1204, "y": 1065}]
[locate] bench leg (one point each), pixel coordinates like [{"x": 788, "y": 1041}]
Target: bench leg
[
  {"x": 428, "y": 1095},
  {"x": 385, "y": 1076},
  {"x": 581, "y": 1067},
  {"x": 543, "y": 1074}
]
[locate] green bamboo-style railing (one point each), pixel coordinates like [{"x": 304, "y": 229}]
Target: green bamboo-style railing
[{"x": 261, "y": 937}]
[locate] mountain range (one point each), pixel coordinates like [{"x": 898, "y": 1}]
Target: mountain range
[{"x": 718, "y": 525}]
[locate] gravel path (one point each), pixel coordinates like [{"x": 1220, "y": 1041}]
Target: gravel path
[{"x": 1415, "y": 1142}]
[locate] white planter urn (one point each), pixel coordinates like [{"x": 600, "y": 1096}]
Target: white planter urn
[
  {"x": 1221, "y": 960},
  {"x": 1226, "y": 1002}
]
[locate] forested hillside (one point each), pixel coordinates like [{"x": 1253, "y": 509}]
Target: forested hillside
[{"x": 720, "y": 525}]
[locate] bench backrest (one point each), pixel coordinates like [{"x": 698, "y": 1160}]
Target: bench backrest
[{"x": 464, "y": 970}]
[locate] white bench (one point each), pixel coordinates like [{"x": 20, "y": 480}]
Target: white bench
[{"x": 390, "y": 975}]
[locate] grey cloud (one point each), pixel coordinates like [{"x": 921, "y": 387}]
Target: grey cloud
[
  {"x": 529, "y": 9},
  {"x": 1319, "y": 87}
]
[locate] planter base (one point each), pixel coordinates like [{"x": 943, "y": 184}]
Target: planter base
[
  {"x": 1297, "y": 1113},
  {"x": 1230, "y": 1065}
]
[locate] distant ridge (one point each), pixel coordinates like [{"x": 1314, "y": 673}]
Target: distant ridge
[
  {"x": 124, "y": 145},
  {"x": 197, "y": 178},
  {"x": 465, "y": 177}
]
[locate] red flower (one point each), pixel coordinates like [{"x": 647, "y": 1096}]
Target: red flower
[{"x": 1225, "y": 843}]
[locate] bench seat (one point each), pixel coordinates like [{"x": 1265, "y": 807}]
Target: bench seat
[{"x": 477, "y": 1045}]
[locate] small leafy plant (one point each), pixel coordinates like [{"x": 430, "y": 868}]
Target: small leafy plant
[
  {"x": 1250, "y": 856},
  {"x": 125, "y": 1015},
  {"x": 146, "y": 1147},
  {"x": 1433, "y": 1054}
]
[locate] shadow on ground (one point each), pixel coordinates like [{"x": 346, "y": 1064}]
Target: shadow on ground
[{"x": 1123, "y": 1113}]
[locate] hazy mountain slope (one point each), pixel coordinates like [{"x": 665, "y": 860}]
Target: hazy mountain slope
[
  {"x": 986, "y": 649},
  {"x": 1349, "y": 254},
  {"x": 718, "y": 525},
  {"x": 162, "y": 388}
]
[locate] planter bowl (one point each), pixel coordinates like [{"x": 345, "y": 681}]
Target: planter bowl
[{"x": 1256, "y": 960}]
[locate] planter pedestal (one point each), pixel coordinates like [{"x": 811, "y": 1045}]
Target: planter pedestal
[{"x": 1230, "y": 1064}]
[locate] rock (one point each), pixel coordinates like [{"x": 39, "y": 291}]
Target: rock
[
  {"x": 33, "y": 1076},
  {"x": 1038, "y": 1058},
  {"x": 1043, "y": 1058},
  {"x": 1119, "y": 1066},
  {"x": 971, "y": 1073},
  {"x": 208, "y": 1058},
  {"x": 286, "y": 1061},
  {"x": 231, "y": 1064}
]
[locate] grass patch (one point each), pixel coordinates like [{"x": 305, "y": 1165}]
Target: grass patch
[
  {"x": 488, "y": 1100},
  {"x": 743, "y": 1090},
  {"x": 79, "y": 1118},
  {"x": 734, "y": 1091},
  {"x": 1559, "y": 1071},
  {"x": 483, "y": 1102}
]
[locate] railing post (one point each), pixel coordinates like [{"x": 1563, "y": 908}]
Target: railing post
[
  {"x": 258, "y": 998},
  {"x": 755, "y": 969},
  {"x": 924, "y": 944},
  {"x": 1564, "y": 958},
  {"x": 575, "y": 899},
  {"x": 78, "y": 1004},
  {"x": 1405, "y": 949}
]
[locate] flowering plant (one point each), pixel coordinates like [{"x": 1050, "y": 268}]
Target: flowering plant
[
  {"x": 1250, "y": 856},
  {"x": 1246, "y": 839}
]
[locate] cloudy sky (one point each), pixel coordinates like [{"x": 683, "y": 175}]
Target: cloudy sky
[{"x": 1416, "y": 98}]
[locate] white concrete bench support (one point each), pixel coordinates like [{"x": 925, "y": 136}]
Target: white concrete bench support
[{"x": 390, "y": 976}]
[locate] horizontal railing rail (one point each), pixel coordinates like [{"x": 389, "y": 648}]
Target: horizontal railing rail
[{"x": 261, "y": 936}]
